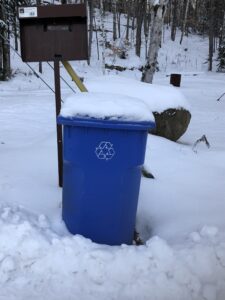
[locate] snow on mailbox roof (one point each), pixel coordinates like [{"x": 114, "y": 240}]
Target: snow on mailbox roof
[
  {"x": 157, "y": 97},
  {"x": 106, "y": 106}
]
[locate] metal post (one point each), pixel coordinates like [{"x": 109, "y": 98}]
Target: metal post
[{"x": 58, "y": 127}]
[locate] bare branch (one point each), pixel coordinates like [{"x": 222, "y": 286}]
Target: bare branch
[{"x": 202, "y": 139}]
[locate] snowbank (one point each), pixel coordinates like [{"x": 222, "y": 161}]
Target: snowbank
[
  {"x": 106, "y": 106},
  {"x": 34, "y": 259},
  {"x": 157, "y": 97}
]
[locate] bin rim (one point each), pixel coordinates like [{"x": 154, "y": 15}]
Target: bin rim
[{"x": 106, "y": 123}]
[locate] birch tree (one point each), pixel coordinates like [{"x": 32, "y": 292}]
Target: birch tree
[{"x": 158, "y": 10}]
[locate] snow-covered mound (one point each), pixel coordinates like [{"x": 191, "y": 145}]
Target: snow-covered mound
[
  {"x": 106, "y": 106},
  {"x": 36, "y": 263},
  {"x": 157, "y": 97}
]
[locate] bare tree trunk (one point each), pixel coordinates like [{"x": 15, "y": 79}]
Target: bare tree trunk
[
  {"x": 6, "y": 61},
  {"x": 40, "y": 63},
  {"x": 91, "y": 17},
  {"x": 119, "y": 28},
  {"x": 140, "y": 8},
  {"x": 211, "y": 25},
  {"x": 185, "y": 20},
  {"x": 14, "y": 25},
  {"x": 174, "y": 20},
  {"x": 133, "y": 24},
  {"x": 128, "y": 19},
  {"x": 114, "y": 19},
  {"x": 103, "y": 36},
  {"x": 1, "y": 55},
  {"x": 96, "y": 35},
  {"x": 4, "y": 40},
  {"x": 158, "y": 12},
  {"x": 147, "y": 23}
]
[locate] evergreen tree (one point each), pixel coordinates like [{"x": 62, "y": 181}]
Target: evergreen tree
[
  {"x": 221, "y": 57},
  {"x": 221, "y": 50}
]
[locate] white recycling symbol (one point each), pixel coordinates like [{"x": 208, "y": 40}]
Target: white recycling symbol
[{"x": 105, "y": 150}]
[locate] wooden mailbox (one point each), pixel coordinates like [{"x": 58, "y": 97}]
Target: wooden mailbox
[{"x": 53, "y": 32}]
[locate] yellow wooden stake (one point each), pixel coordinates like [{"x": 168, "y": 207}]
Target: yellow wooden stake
[{"x": 74, "y": 76}]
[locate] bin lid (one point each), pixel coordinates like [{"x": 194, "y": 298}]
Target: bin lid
[
  {"x": 106, "y": 123},
  {"x": 106, "y": 106}
]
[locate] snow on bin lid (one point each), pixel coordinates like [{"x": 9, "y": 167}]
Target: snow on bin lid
[{"x": 106, "y": 106}]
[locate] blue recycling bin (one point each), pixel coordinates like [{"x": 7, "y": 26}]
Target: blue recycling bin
[{"x": 102, "y": 162}]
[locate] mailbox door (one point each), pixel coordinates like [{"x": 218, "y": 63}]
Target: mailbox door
[{"x": 54, "y": 31}]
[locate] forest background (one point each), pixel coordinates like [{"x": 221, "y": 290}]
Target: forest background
[{"x": 143, "y": 30}]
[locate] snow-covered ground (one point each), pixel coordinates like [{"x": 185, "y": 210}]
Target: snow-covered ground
[{"x": 180, "y": 214}]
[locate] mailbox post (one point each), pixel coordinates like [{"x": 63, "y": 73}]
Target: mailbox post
[{"x": 54, "y": 33}]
